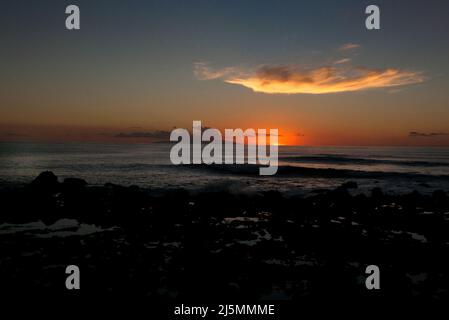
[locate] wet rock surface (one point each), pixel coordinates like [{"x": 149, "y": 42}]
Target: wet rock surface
[{"x": 209, "y": 246}]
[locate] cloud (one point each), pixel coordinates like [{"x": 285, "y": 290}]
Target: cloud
[
  {"x": 291, "y": 79},
  {"x": 13, "y": 134},
  {"x": 156, "y": 134},
  {"x": 349, "y": 46},
  {"x": 427, "y": 135},
  {"x": 203, "y": 72},
  {"x": 342, "y": 61}
]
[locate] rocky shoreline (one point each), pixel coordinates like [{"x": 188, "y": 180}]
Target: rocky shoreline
[{"x": 209, "y": 246}]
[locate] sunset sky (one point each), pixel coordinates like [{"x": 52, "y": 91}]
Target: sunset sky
[{"x": 136, "y": 69}]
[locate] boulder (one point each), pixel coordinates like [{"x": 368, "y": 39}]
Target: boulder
[
  {"x": 45, "y": 181},
  {"x": 350, "y": 185},
  {"x": 75, "y": 182}
]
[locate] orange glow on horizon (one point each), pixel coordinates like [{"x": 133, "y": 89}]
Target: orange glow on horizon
[{"x": 289, "y": 135}]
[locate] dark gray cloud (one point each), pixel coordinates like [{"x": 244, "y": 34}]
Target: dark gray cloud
[
  {"x": 427, "y": 135},
  {"x": 156, "y": 134},
  {"x": 14, "y": 134}
]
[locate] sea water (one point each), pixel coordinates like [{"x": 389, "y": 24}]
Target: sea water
[{"x": 301, "y": 169}]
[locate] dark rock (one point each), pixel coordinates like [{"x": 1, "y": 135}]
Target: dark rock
[
  {"x": 46, "y": 181},
  {"x": 377, "y": 193},
  {"x": 350, "y": 185},
  {"x": 439, "y": 194},
  {"x": 111, "y": 185},
  {"x": 75, "y": 182},
  {"x": 425, "y": 185}
]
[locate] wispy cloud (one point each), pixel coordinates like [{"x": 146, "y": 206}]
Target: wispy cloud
[
  {"x": 345, "y": 60},
  {"x": 203, "y": 72},
  {"x": 349, "y": 46},
  {"x": 291, "y": 79},
  {"x": 427, "y": 135}
]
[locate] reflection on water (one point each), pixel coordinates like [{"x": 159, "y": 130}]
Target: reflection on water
[{"x": 61, "y": 228}]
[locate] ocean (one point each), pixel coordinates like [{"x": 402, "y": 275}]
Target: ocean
[{"x": 301, "y": 169}]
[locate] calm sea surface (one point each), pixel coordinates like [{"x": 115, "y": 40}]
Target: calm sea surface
[{"x": 148, "y": 165}]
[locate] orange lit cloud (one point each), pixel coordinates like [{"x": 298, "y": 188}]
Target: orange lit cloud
[{"x": 290, "y": 79}]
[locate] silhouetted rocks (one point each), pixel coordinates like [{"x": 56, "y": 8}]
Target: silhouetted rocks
[
  {"x": 377, "y": 193},
  {"x": 350, "y": 185},
  {"x": 45, "y": 181},
  {"x": 217, "y": 246},
  {"x": 75, "y": 183}
]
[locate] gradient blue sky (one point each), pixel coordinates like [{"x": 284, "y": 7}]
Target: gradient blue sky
[{"x": 131, "y": 68}]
